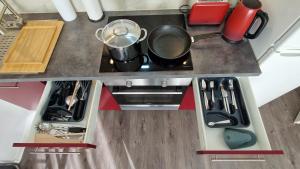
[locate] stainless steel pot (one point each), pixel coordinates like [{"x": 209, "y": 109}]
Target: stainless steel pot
[{"x": 122, "y": 37}]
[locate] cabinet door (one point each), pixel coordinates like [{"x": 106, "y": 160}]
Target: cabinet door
[
  {"x": 188, "y": 100},
  {"x": 15, "y": 122},
  {"x": 280, "y": 74},
  {"x": 107, "y": 100},
  {"x": 89, "y": 122},
  {"x": 211, "y": 139},
  {"x": 23, "y": 94}
]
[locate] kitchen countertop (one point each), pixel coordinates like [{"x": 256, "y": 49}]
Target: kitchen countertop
[{"x": 77, "y": 54}]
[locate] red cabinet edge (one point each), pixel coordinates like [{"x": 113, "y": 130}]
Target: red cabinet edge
[
  {"x": 188, "y": 100},
  {"x": 242, "y": 152},
  {"x": 107, "y": 100},
  {"x": 55, "y": 145},
  {"x": 23, "y": 94}
]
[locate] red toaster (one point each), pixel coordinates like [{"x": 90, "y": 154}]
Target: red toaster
[{"x": 208, "y": 13}]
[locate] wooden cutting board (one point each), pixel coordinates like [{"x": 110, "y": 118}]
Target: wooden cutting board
[{"x": 33, "y": 47}]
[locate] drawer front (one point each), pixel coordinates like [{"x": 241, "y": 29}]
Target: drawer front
[
  {"x": 93, "y": 109},
  {"x": 149, "y": 82},
  {"x": 23, "y": 94},
  {"x": 211, "y": 139},
  {"x": 89, "y": 122}
]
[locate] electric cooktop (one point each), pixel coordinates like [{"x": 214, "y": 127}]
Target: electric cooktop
[{"x": 148, "y": 22}]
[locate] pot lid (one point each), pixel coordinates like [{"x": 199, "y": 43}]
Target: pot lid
[{"x": 121, "y": 33}]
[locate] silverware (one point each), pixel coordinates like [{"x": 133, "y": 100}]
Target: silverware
[
  {"x": 58, "y": 84},
  {"x": 84, "y": 87},
  {"x": 70, "y": 101},
  {"x": 219, "y": 122},
  {"x": 203, "y": 88},
  {"x": 44, "y": 127},
  {"x": 225, "y": 98},
  {"x": 212, "y": 86},
  {"x": 68, "y": 134},
  {"x": 231, "y": 88},
  {"x": 78, "y": 114},
  {"x": 77, "y": 86}
]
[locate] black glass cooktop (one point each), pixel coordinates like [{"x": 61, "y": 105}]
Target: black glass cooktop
[{"x": 148, "y": 22}]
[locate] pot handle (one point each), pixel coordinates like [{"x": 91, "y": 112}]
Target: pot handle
[
  {"x": 97, "y": 34},
  {"x": 145, "y": 35}
]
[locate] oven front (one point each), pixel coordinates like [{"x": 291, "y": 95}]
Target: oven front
[{"x": 165, "y": 95}]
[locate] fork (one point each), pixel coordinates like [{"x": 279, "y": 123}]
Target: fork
[
  {"x": 231, "y": 88},
  {"x": 212, "y": 86},
  {"x": 203, "y": 88}
]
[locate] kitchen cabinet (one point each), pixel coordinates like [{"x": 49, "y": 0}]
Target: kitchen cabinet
[
  {"x": 188, "y": 100},
  {"x": 89, "y": 122},
  {"x": 23, "y": 94},
  {"x": 211, "y": 139},
  {"x": 107, "y": 100},
  {"x": 280, "y": 74},
  {"x": 15, "y": 124}
]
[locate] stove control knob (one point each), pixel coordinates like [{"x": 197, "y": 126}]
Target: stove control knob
[
  {"x": 128, "y": 83},
  {"x": 164, "y": 84}
]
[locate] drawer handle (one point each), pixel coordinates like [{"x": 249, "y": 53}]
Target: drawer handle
[
  {"x": 147, "y": 93},
  {"x": 257, "y": 159},
  {"x": 16, "y": 86},
  {"x": 43, "y": 152},
  {"x": 290, "y": 52},
  {"x": 36, "y": 151}
]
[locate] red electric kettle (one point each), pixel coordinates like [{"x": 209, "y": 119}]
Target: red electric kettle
[{"x": 242, "y": 19}]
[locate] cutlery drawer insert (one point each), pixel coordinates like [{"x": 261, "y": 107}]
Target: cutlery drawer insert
[
  {"x": 222, "y": 102},
  {"x": 60, "y": 107}
]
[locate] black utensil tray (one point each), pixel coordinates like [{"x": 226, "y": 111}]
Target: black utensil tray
[
  {"x": 56, "y": 106},
  {"x": 238, "y": 118}
]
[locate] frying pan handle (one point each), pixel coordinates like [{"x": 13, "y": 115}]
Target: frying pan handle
[
  {"x": 145, "y": 35},
  {"x": 205, "y": 36},
  {"x": 97, "y": 34}
]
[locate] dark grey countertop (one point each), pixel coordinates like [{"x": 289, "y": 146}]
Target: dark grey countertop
[{"x": 77, "y": 54}]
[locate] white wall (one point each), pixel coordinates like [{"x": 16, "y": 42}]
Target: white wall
[{"x": 41, "y": 6}]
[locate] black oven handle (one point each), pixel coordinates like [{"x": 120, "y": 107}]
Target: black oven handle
[{"x": 147, "y": 93}]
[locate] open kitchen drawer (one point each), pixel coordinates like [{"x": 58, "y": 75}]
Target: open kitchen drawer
[
  {"x": 211, "y": 139},
  {"x": 34, "y": 139}
]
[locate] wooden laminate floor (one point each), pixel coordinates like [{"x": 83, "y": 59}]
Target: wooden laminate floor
[{"x": 169, "y": 139}]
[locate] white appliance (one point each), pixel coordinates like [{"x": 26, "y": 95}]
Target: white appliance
[
  {"x": 65, "y": 9},
  {"x": 93, "y": 9},
  {"x": 278, "y": 51}
]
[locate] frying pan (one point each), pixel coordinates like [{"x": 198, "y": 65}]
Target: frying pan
[{"x": 170, "y": 43}]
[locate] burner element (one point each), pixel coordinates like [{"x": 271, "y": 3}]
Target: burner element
[
  {"x": 129, "y": 65},
  {"x": 169, "y": 63}
]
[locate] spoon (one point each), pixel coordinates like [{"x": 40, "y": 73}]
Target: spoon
[
  {"x": 219, "y": 122},
  {"x": 45, "y": 127},
  {"x": 77, "y": 86},
  {"x": 70, "y": 102}
]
